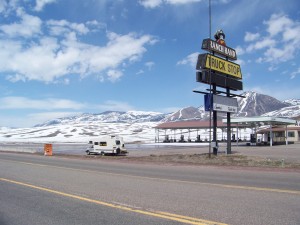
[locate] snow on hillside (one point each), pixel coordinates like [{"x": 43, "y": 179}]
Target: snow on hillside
[
  {"x": 81, "y": 132},
  {"x": 290, "y": 112},
  {"x": 132, "y": 125},
  {"x": 292, "y": 101},
  {"x": 108, "y": 117},
  {"x": 138, "y": 125},
  {"x": 188, "y": 113}
]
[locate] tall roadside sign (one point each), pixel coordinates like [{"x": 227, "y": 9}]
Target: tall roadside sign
[{"x": 217, "y": 69}]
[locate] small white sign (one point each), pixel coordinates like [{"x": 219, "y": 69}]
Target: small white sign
[
  {"x": 224, "y": 108},
  {"x": 225, "y": 104}
]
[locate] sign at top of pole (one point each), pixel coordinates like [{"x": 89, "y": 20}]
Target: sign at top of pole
[{"x": 219, "y": 46}]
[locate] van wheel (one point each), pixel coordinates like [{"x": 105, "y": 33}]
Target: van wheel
[
  {"x": 118, "y": 151},
  {"x": 88, "y": 152}
]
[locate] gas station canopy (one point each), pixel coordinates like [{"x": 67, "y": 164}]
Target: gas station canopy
[{"x": 261, "y": 121}]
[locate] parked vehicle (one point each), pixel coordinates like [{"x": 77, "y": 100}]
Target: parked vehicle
[{"x": 107, "y": 145}]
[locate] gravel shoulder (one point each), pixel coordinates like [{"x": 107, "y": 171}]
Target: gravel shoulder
[{"x": 279, "y": 156}]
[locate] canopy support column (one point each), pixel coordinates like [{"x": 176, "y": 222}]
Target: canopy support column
[
  {"x": 286, "y": 135},
  {"x": 271, "y": 136}
]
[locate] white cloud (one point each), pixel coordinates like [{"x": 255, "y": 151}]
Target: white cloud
[
  {"x": 239, "y": 50},
  {"x": 295, "y": 73},
  {"x": 251, "y": 37},
  {"x": 157, "y": 3},
  {"x": 189, "y": 60},
  {"x": 177, "y": 2},
  {"x": 58, "y": 27},
  {"x": 151, "y": 3},
  {"x": 291, "y": 33},
  {"x": 3, "y": 5},
  {"x": 276, "y": 55},
  {"x": 272, "y": 68},
  {"x": 266, "y": 43},
  {"x": 27, "y": 27},
  {"x": 140, "y": 72},
  {"x": 7, "y": 6},
  {"x": 278, "y": 23},
  {"x": 149, "y": 65},
  {"x": 32, "y": 119},
  {"x": 50, "y": 108},
  {"x": 56, "y": 50},
  {"x": 111, "y": 105},
  {"x": 40, "y": 4},
  {"x": 36, "y": 118},
  {"x": 17, "y": 102},
  {"x": 114, "y": 75},
  {"x": 240, "y": 62},
  {"x": 281, "y": 42}
]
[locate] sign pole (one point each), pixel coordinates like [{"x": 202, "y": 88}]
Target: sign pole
[
  {"x": 228, "y": 127},
  {"x": 215, "y": 147},
  {"x": 210, "y": 111}
]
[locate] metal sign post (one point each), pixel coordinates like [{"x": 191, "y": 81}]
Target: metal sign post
[{"x": 228, "y": 127}]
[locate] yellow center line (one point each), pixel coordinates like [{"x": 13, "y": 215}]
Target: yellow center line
[
  {"x": 250, "y": 188},
  {"x": 159, "y": 214}
]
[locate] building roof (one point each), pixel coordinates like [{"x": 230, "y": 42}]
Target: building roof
[
  {"x": 240, "y": 122},
  {"x": 190, "y": 124},
  {"x": 277, "y": 129}
]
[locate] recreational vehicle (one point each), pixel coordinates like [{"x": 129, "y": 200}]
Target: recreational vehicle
[{"x": 107, "y": 145}]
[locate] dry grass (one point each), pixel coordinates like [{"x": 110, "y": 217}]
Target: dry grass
[{"x": 219, "y": 160}]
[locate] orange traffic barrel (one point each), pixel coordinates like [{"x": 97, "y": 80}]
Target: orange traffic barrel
[{"x": 48, "y": 149}]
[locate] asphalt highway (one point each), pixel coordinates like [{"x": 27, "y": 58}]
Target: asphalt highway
[{"x": 36, "y": 189}]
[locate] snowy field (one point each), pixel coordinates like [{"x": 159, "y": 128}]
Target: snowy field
[
  {"x": 132, "y": 133},
  {"x": 73, "y": 139}
]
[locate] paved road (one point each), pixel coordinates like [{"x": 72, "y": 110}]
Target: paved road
[{"x": 52, "y": 190}]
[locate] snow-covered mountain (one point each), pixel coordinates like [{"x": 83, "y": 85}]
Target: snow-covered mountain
[
  {"x": 138, "y": 125},
  {"x": 187, "y": 113},
  {"x": 290, "y": 112},
  {"x": 292, "y": 101},
  {"x": 108, "y": 117},
  {"x": 255, "y": 104}
]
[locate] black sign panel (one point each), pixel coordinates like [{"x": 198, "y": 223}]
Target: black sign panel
[
  {"x": 213, "y": 46},
  {"x": 219, "y": 80}
]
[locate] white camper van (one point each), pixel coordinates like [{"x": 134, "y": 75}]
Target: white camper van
[{"x": 107, "y": 145}]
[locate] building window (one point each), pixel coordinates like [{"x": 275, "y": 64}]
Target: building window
[
  {"x": 279, "y": 134},
  {"x": 291, "y": 134}
]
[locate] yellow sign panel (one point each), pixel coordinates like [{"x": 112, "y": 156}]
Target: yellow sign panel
[{"x": 223, "y": 66}]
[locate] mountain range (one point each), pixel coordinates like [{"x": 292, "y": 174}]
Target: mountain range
[
  {"x": 138, "y": 125},
  {"x": 253, "y": 104}
]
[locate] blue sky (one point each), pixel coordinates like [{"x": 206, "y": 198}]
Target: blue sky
[{"x": 64, "y": 57}]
